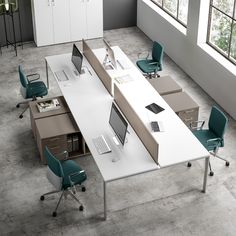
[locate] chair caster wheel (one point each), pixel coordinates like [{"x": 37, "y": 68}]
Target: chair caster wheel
[
  {"x": 189, "y": 164},
  {"x": 83, "y": 189},
  {"x": 42, "y": 198},
  {"x": 211, "y": 173},
  {"x": 21, "y": 116},
  {"x": 54, "y": 214},
  {"x": 81, "y": 208},
  {"x": 227, "y": 163},
  {"x": 18, "y": 105}
]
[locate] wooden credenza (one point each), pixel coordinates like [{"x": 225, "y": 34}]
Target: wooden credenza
[{"x": 57, "y": 130}]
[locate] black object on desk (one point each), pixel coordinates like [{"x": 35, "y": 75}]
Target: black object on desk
[
  {"x": 155, "y": 126},
  {"x": 154, "y": 108}
]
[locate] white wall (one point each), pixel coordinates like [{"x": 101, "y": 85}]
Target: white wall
[{"x": 216, "y": 76}]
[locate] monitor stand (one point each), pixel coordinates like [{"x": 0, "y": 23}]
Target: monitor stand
[
  {"x": 115, "y": 140},
  {"x": 107, "y": 64}
]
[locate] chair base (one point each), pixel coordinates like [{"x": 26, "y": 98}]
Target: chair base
[
  {"x": 227, "y": 163},
  {"x": 65, "y": 193},
  {"x": 151, "y": 75},
  {"x": 26, "y": 103}
]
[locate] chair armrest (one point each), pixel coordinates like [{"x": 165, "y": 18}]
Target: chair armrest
[
  {"x": 36, "y": 75},
  {"x": 64, "y": 153},
  {"x": 215, "y": 141},
  {"x": 153, "y": 63},
  {"x": 73, "y": 175},
  {"x": 196, "y": 125}
]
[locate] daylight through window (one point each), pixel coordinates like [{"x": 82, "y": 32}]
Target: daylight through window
[
  {"x": 176, "y": 8},
  {"x": 222, "y": 27}
]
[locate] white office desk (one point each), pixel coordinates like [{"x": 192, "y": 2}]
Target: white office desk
[{"x": 90, "y": 104}]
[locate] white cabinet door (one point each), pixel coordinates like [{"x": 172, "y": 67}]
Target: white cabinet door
[
  {"x": 94, "y": 18},
  {"x": 61, "y": 21},
  {"x": 78, "y": 27},
  {"x": 43, "y": 22}
]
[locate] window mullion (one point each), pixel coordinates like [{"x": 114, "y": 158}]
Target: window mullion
[{"x": 231, "y": 30}]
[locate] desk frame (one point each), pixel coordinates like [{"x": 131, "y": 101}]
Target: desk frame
[{"x": 152, "y": 167}]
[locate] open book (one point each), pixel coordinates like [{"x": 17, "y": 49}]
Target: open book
[{"x": 48, "y": 105}]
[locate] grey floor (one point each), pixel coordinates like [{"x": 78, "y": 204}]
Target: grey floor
[{"x": 165, "y": 202}]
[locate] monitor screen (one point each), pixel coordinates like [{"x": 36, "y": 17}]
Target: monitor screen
[
  {"x": 110, "y": 53},
  {"x": 118, "y": 123},
  {"x": 77, "y": 58}
]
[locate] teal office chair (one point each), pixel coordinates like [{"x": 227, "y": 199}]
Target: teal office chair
[
  {"x": 213, "y": 137},
  {"x": 64, "y": 175},
  {"x": 150, "y": 67},
  {"x": 30, "y": 89}
]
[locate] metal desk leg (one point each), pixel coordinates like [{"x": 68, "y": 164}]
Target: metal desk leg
[
  {"x": 47, "y": 74},
  {"x": 205, "y": 174},
  {"x": 105, "y": 200}
]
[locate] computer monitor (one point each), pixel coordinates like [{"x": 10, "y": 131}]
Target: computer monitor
[
  {"x": 118, "y": 123},
  {"x": 110, "y": 56},
  {"x": 77, "y": 58}
]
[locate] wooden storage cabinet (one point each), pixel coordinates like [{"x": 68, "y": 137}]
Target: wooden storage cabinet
[
  {"x": 189, "y": 116},
  {"x": 35, "y": 114},
  {"x": 184, "y": 106},
  {"x": 165, "y": 85},
  {"x": 57, "y": 130}
]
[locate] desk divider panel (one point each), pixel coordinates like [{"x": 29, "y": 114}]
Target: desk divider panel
[
  {"x": 139, "y": 127},
  {"x": 97, "y": 66}
]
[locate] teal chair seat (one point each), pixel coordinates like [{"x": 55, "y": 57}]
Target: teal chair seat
[
  {"x": 204, "y": 136},
  {"x": 148, "y": 66},
  {"x": 37, "y": 89},
  {"x": 64, "y": 175},
  {"x": 69, "y": 168}
]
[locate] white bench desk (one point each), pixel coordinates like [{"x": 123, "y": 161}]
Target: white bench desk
[{"x": 90, "y": 104}]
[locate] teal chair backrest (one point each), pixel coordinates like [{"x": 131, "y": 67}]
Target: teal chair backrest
[
  {"x": 23, "y": 79},
  {"x": 157, "y": 52},
  {"x": 217, "y": 122},
  {"x": 53, "y": 163}
]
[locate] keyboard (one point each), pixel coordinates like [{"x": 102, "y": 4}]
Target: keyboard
[
  {"x": 123, "y": 79},
  {"x": 61, "y": 76},
  {"x": 101, "y": 145}
]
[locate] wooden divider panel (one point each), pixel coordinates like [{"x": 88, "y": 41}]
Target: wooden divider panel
[
  {"x": 97, "y": 66},
  {"x": 139, "y": 127}
]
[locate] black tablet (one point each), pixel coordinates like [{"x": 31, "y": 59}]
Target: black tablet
[{"x": 154, "y": 108}]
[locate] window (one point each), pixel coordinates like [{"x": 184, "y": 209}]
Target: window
[
  {"x": 176, "y": 8},
  {"x": 222, "y": 27}
]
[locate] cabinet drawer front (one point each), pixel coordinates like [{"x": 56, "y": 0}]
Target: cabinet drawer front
[
  {"x": 57, "y": 149},
  {"x": 55, "y": 140},
  {"x": 188, "y": 114}
]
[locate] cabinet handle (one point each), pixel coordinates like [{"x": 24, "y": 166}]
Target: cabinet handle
[
  {"x": 54, "y": 139},
  {"x": 186, "y": 120},
  {"x": 189, "y": 111},
  {"x": 54, "y": 147}
]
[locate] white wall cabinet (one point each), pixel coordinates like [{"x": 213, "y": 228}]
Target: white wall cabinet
[{"x": 59, "y": 21}]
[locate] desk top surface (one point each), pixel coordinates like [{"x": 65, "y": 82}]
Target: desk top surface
[{"x": 90, "y": 104}]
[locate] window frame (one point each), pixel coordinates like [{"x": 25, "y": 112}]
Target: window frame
[
  {"x": 232, "y": 18},
  {"x": 169, "y": 13}
]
